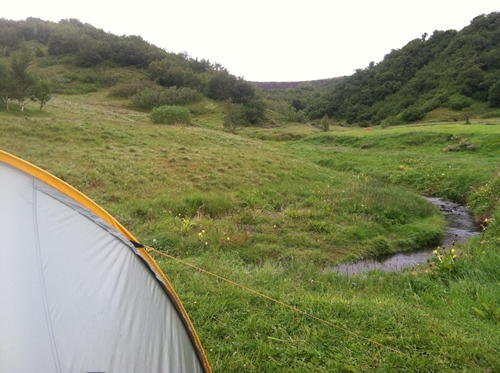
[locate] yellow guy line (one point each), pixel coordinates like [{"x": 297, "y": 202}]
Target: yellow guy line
[{"x": 275, "y": 300}]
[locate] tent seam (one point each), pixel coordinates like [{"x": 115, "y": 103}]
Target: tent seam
[{"x": 48, "y": 321}]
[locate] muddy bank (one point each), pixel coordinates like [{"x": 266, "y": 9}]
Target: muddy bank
[{"x": 460, "y": 227}]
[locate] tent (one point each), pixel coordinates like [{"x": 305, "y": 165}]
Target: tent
[{"x": 78, "y": 293}]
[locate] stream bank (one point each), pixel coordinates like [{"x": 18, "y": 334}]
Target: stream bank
[{"x": 460, "y": 227}]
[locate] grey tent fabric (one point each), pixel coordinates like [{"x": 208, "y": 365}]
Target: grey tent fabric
[{"x": 74, "y": 294}]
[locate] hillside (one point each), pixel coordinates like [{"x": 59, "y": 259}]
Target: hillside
[{"x": 455, "y": 70}]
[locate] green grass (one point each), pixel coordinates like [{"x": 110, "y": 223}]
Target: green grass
[{"x": 273, "y": 208}]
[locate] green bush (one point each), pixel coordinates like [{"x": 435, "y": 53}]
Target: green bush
[
  {"x": 170, "y": 115},
  {"x": 413, "y": 114},
  {"x": 392, "y": 121},
  {"x": 458, "y": 102},
  {"x": 325, "y": 123},
  {"x": 234, "y": 117},
  {"x": 99, "y": 77},
  {"x": 491, "y": 114},
  {"x": 129, "y": 89},
  {"x": 156, "y": 96}
]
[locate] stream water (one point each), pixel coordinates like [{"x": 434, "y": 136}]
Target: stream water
[{"x": 460, "y": 227}]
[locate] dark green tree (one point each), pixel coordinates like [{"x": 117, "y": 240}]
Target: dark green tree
[
  {"x": 43, "y": 92},
  {"x": 24, "y": 82},
  {"x": 7, "y": 85},
  {"x": 92, "y": 52},
  {"x": 494, "y": 95},
  {"x": 64, "y": 41},
  {"x": 243, "y": 91},
  {"x": 254, "y": 110},
  {"x": 234, "y": 117},
  {"x": 221, "y": 84}
]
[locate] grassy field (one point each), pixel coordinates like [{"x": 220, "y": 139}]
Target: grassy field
[{"x": 272, "y": 209}]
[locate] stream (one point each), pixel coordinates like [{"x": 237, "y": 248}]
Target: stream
[{"x": 460, "y": 227}]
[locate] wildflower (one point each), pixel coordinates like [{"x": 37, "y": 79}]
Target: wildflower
[
  {"x": 435, "y": 252},
  {"x": 206, "y": 243},
  {"x": 454, "y": 256},
  {"x": 229, "y": 238},
  {"x": 486, "y": 220},
  {"x": 453, "y": 251},
  {"x": 274, "y": 226}
]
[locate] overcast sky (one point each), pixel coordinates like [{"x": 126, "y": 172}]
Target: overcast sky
[{"x": 268, "y": 40}]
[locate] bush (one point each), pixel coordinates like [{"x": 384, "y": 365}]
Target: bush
[
  {"x": 129, "y": 89},
  {"x": 494, "y": 95},
  {"x": 159, "y": 96},
  {"x": 99, "y": 77},
  {"x": 234, "y": 117},
  {"x": 325, "y": 124},
  {"x": 491, "y": 114},
  {"x": 254, "y": 110},
  {"x": 170, "y": 115},
  {"x": 413, "y": 114},
  {"x": 458, "y": 102},
  {"x": 287, "y": 110},
  {"x": 392, "y": 121}
]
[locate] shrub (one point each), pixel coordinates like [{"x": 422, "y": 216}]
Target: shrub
[
  {"x": 458, "y": 102},
  {"x": 392, "y": 121},
  {"x": 158, "y": 96},
  {"x": 254, "y": 110},
  {"x": 325, "y": 123},
  {"x": 413, "y": 114},
  {"x": 234, "y": 117},
  {"x": 99, "y": 77},
  {"x": 129, "y": 89},
  {"x": 170, "y": 115},
  {"x": 491, "y": 114},
  {"x": 287, "y": 110},
  {"x": 494, "y": 95}
]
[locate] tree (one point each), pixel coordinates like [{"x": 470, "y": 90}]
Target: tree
[
  {"x": 234, "y": 117},
  {"x": 325, "y": 124},
  {"x": 64, "y": 41},
  {"x": 7, "y": 85},
  {"x": 494, "y": 94},
  {"x": 91, "y": 52},
  {"x": 24, "y": 82},
  {"x": 254, "y": 110},
  {"x": 220, "y": 85},
  {"x": 243, "y": 91},
  {"x": 43, "y": 92}
]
